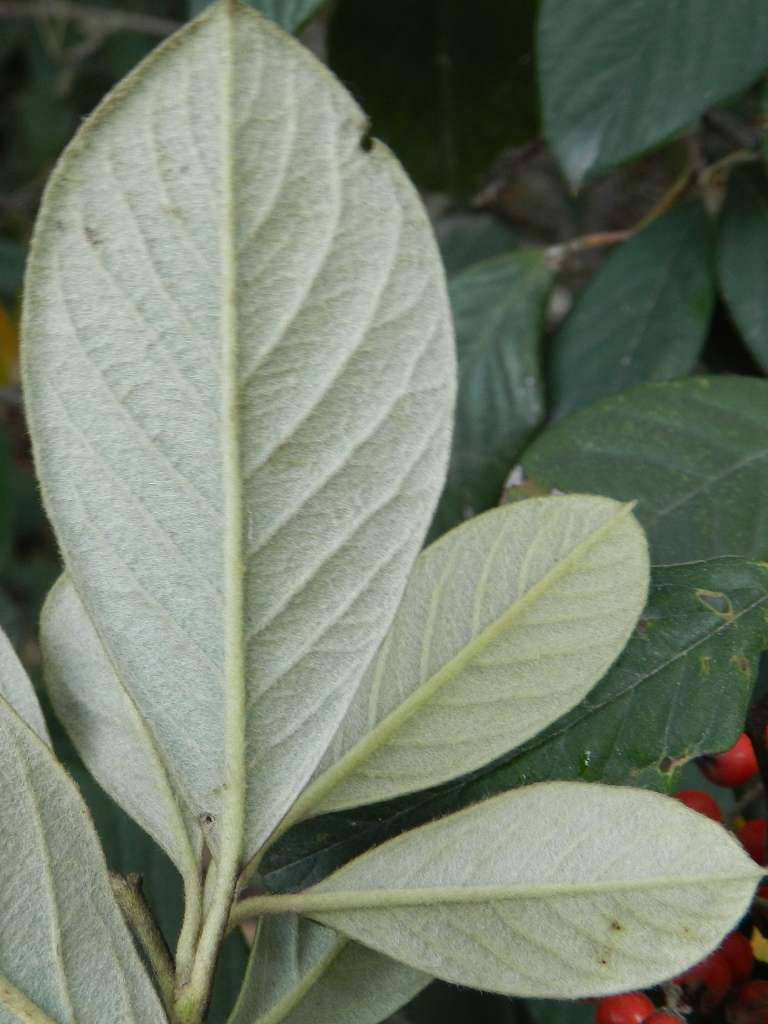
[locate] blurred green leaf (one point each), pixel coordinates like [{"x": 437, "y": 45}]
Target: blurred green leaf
[
  {"x": 12, "y": 256},
  {"x": 557, "y": 1011},
  {"x": 619, "y": 78},
  {"x": 469, "y": 238},
  {"x": 289, "y": 14},
  {"x": 446, "y": 85},
  {"x": 694, "y": 452},
  {"x": 742, "y": 257},
  {"x": 679, "y": 689},
  {"x": 644, "y": 316},
  {"x": 498, "y": 311}
]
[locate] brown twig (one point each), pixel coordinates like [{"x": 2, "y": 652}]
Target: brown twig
[{"x": 94, "y": 18}]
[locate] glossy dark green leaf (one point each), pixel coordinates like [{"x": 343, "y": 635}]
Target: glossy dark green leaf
[
  {"x": 447, "y": 85},
  {"x": 498, "y": 310},
  {"x": 693, "y": 452},
  {"x": 644, "y": 315},
  {"x": 742, "y": 257},
  {"x": 289, "y": 14},
  {"x": 680, "y": 689},
  {"x": 469, "y": 238},
  {"x": 620, "y": 77}
]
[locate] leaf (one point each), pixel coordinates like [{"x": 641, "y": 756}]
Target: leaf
[
  {"x": 498, "y": 312},
  {"x": 17, "y": 690},
  {"x": 742, "y": 244},
  {"x": 468, "y": 238},
  {"x": 114, "y": 741},
  {"x": 679, "y": 689},
  {"x": 660, "y": 66},
  {"x": 242, "y": 441},
  {"x": 61, "y": 927},
  {"x": 303, "y": 973},
  {"x": 12, "y": 255},
  {"x": 506, "y": 623},
  {"x": 559, "y": 890},
  {"x": 644, "y": 316},
  {"x": 693, "y": 452},
  {"x": 464, "y": 89},
  {"x": 289, "y": 14}
]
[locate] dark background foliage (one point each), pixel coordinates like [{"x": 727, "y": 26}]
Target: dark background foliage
[{"x": 596, "y": 175}]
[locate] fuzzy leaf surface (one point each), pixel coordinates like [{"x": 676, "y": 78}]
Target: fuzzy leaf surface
[
  {"x": 239, "y": 374},
  {"x": 506, "y": 623},
  {"x": 560, "y": 890},
  {"x": 303, "y": 973},
  {"x": 679, "y": 689},
  {"x": 693, "y": 452},
  {"x": 741, "y": 266},
  {"x": 644, "y": 316},
  {"x": 16, "y": 688},
  {"x": 660, "y": 66},
  {"x": 498, "y": 312},
  {"x": 64, "y": 944},
  {"x": 112, "y": 738}
]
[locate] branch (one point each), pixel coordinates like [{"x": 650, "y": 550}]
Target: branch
[
  {"x": 21, "y": 1007},
  {"x": 91, "y": 18},
  {"x": 127, "y": 893}
]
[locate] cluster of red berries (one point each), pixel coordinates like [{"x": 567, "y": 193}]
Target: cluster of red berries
[{"x": 723, "y": 980}]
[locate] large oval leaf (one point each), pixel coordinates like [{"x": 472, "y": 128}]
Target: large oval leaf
[
  {"x": 693, "y": 452},
  {"x": 239, "y": 375},
  {"x": 64, "y": 944},
  {"x": 680, "y": 688},
  {"x": 559, "y": 890},
  {"x": 113, "y": 739},
  {"x": 506, "y": 623},
  {"x": 303, "y": 973},
  {"x": 660, "y": 65}
]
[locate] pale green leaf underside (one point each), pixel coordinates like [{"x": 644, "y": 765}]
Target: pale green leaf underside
[
  {"x": 506, "y": 623},
  {"x": 303, "y": 973},
  {"x": 557, "y": 890},
  {"x": 111, "y": 737},
  {"x": 17, "y": 690},
  {"x": 239, "y": 373},
  {"x": 63, "y": 942}
]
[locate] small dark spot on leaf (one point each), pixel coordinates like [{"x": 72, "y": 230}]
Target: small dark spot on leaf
[
  {"x": 616, "y": 926},
  {"x": 665, "y": 765},
  {"x": 207, "y": 820},
  {"x": 366, "y": 141},
  {"x": 603, "y": 962},
  {"x": 741, "y": 663},
  {"x": 91, "y": 235},
  {"x": 643, "y": 627}
]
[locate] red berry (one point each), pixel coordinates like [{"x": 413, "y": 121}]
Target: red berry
[
  {"x": 752, "y": 835},
  {"x": 707, "y": 983},
  {"x": 629, "y": 1008},
  {"x": 733, "y": 767},
  {"x": 750, "y": 1005},
  {"x": 700, "y": 801},
  {"x": 738, "y": 952}
]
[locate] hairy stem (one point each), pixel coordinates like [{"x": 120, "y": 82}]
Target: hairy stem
[{"x": 129, "y": 897}]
